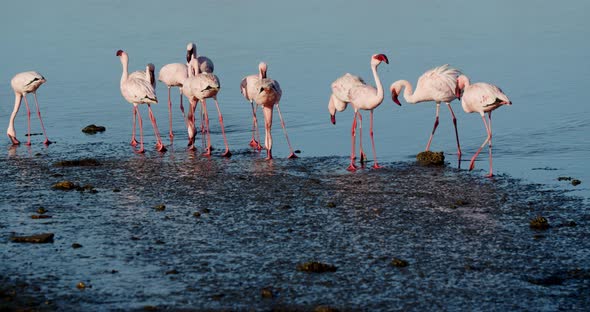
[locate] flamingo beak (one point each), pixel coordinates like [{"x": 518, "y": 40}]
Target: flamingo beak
[
  {"x": 120, "y": 52},
  {"x": 333, "y": 119},
  {"x": 383, "y": 58},
  {"x": 189, "y": 54},
  {"x": 458, "y": 92},
  {"x": 395, "y": 99}
]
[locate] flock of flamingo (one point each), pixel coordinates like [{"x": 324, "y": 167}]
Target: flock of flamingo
[{"x": 197, "y": 82}]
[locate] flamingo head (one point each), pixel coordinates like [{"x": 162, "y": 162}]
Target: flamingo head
[
  {"x": 332, "y": 110},
  {"x": 262, "y": 67},
  {"x": 462, "y": 83},
  {"x": 120, "y": 52},
  {"x": 378, "y": 58},
  {"x": 191, "y": 49},
  {"x": 395, "y": 91},
  {"x": 458, "y": 92}
]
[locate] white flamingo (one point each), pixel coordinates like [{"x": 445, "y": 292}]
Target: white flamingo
[
  {"x": 23, "y": 83},
  {"x": 481, "y": 98},
  {"x": 205, "y": 63},
  {"x": 439, "y": 85},
  {"x": 366, "y": 97},
  {"x": 139, "y": 91},
  {"x": 148, "y": 76},
  {"x": 249, "y": 91},
  {"x": 203, "y": 86},
  {"x": 267, "y": 93}
]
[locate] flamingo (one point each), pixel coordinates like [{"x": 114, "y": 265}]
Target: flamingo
[
  {"x": 366, "y": 97},
  {"x": 139, "y": 91},
  {"x": 23, "y": 83},
  {"x": 205, "y": 63},
  {"x": 148, "y": 76},
  {"x": 248, "y": 89},
  {"x": 201, "y": 87},
  {"x": 340, "y": 98},
  {"x": 267, "y": 93},
  {"x": 481, "y": 98},
  {"x": 438, "y": 85}
]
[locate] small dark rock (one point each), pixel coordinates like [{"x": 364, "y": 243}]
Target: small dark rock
[
  {"x": 197, "y": 214},
  {"x": 316, "y": 267},
  {"x": 41, "y": 210},
  {"x": 84, "y": 162},
  {"x": 160, "y": 242},
  {"x": 552, "y": 280},
  {"x": 160, "y": 207},
  {"x": 135, "y": 238},
  {"x": 400, "y": 263},
  {"x": 285, "y": 207},
  {"x": 37, "y": 239},
  {"x": 217, "y": 297},
  {"x": 267, "y": 293},
  {"x": 173, "y": 271},
  {"x": 40, "y": 217},
  {"x": 539, "y": 223},
  {"x": 564, "y": 179},
  {"x": 93, "y": 129},
  {"x": 205, "y": 210},
  {"x": 116, "y": 190},
  {"x": 76, "y": 246},
  {"x": 331, "y": 205},
  {"x": 428, "y": 158},
  {"x": 81, "y": 285},
  {"x": 325, "y": 308},
  {"x": 576, "y": 182},
  {"x": 65, "y": 186},
  {"x": 297, "y": 151}
]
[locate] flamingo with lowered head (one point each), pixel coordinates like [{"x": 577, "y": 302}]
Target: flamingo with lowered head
[
  {"x": 365, "y": 97},
  {"x": 248, "y": 89},
  {"x": 481, "y": 98},
  {"x": 201, "y": 87},
  {"x": 438, "y": 85},
  {"x": 267, "y": 93},
  {"x": 139, "y": 91},
  {"x": 23, "y": 83}
]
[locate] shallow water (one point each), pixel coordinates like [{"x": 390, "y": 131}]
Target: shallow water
[{"x": 536, "y": 55}]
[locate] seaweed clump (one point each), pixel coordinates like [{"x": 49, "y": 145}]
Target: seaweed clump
[
  {"x": 84, "y": 162},
  {"x": 539, "y": 223},
  {"x": 316, "y": 267},
  {"x": 93, "y": 129},
  {"x": 428, "y": 158},
  {"x": 400, "y": 263}
]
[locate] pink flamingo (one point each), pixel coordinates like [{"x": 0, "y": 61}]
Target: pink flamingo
[
  {"x": 205, "y": 63},
  {"x": 481, "y": 98},
  {"x": 438, "y": 85},
  {"x": 201, "y": 87},
  {"x": 149, "y": 77},
  {"x": 267, "y": 93},
  {"x": 139, "y": 91},
  {"x": 352, "y": 89},
  {"x": 249, "y": 91},
  {"x": 23, "y": 83}
]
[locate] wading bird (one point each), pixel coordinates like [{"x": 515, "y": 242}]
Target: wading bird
[
  {"x": 248, "y": 89},
  {"x": 23, "y": 83},
  {"x": 481, "y": 98},
  {"x": 139, "y": 91},
  {"x": 439, "y": 85}
]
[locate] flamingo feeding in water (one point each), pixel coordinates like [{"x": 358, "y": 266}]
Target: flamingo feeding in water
[
  {"x": 139, "y": 91},
  {"x": 248, "y": 89},
  {"x": 201, "y": 87},
  {"x": 267, "y": 93},
  {"x": 352, "y": 89},
  {"x": 439, "y": 85},
  {"x": 149, "y": 77},
  {"x": 23, "y": 83},
  {"x": 481, "y": 98}
]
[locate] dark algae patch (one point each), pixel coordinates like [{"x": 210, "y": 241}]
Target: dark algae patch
[
  {"x": 258, "y": 220},
  {"x": 539, "y": 223},
  {"x": 65, "y": 186},
  {"x": 429, "y": 158},
  {"x": 400, "y": 263},
  {"x": 93, "y": 129},
  {"x": 84, "y": 162},
  {"x": 35, "y": 239}
]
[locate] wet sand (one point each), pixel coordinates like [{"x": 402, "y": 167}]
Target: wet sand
[{"x": 182, "y": 231}]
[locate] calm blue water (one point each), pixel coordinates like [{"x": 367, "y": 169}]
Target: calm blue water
[{"x": 536, "y": 51}]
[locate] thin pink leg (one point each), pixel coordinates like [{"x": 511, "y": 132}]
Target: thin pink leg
[
  {"x": 352, "y": 166},
  {"x": 489, "y": 137},
  {"x": 206, "y": 117},
  {"x": 292, "y": 153},
  {"x": 133, "y": 140},
  {"x": 491, "y": 174},
  {"x": 190, "y": 125},
  {"x": 456, "y": 133},
  {"x": 361, "y": 150},
  {"x": 159, "y": 145},
  {"x": 434, "y": 128},
  {"x": 376, "y": 165},
  {"x": 141, "y": 150},
  {"x": 28, "y": 121},
  {"x": 227, "y": 152},
  {"x": 47, "y": 142},
  {"x": 182, "y": 107},
  {"x": 171, "y": 134},
  {"x": 255, "y": 142}
]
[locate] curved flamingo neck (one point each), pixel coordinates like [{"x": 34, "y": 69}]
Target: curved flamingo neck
[
  {"x": 377, "y": 84},
  {"x": 125, "y": 63},
  {"x": 408, "y": 91}
]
